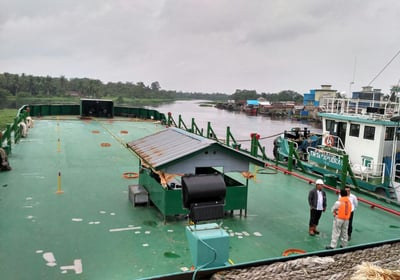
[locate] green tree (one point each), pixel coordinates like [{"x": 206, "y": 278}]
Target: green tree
[
  {"x": 12, "y": 83},
  {"x": 155, "y": 86},
  {"x": 395, "y": 89},
  {"x": 242, "y": 95}
]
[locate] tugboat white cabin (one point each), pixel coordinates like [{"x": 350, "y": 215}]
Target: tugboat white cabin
[{"x": 367, "y": 131}]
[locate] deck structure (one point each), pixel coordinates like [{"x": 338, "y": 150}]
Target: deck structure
[{"x": 93, "y": 231}]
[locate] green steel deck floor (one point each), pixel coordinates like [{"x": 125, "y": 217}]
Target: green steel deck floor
[{"x": 94, "y": 221}]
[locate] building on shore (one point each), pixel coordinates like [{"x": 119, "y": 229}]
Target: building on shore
[{"x": 316, "y": 96}]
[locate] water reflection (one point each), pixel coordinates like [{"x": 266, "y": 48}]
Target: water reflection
[{"x": 241, "y": 125}]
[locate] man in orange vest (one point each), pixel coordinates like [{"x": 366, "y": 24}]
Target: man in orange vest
[{"x": 341, "y": 212}]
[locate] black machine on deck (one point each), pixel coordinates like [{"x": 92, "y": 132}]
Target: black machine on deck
[{"x": 204, "y": 196}]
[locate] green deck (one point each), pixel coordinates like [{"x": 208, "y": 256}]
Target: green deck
[{"x": 94, "y": 221}]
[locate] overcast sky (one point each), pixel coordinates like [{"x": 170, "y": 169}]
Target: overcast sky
[{"x": 206, "y": 45}]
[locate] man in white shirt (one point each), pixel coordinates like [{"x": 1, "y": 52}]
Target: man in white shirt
[
  {"x": 317, "y": 202},
  {"x": 354, "y": 204}
]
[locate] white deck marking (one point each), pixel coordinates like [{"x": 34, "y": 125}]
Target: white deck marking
[
  {"x": 184, "y": 268},
  {"x": 77, "y": 267},
  {"x": 30, "y": 174},
  {"x": 50, "y": 259},
  {"x": 77, "y": 219},
  {"x": 123, "y": 229}
]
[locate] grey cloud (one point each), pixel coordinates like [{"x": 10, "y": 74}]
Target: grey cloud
[{"x": 208, "y": 45}]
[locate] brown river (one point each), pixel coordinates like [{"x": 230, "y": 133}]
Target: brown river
[{"x": 241, "y": 124}]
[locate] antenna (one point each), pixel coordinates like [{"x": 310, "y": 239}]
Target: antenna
[
  {"x": 354, "y": 75},
  {"x": 383, "y": 69}
]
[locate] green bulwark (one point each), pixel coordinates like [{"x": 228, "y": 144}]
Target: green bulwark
[{"x": 40, "y": 110}]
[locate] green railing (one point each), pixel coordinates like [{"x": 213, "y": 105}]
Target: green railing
[
  {"x": 256, "y": 149},
  {"x": 13, "y": 133}
]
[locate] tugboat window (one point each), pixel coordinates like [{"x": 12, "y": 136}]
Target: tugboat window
[
  {"x": 354, "y": 130},
  {"x": 369, "y": 132},
  {"x": 389, "y": 134},
  {"x": 330, "y": 126}
]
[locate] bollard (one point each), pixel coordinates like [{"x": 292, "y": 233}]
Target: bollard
[{"x": 59, "y": 191}]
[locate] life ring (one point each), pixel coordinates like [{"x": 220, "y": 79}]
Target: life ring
[
  {"x": 292, "y": 251},
  {"x": 130, "y": 175},
  {"x": 329, "y": 140}
]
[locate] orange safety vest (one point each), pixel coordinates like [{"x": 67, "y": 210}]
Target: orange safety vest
[{"x": 344, "y": 210}]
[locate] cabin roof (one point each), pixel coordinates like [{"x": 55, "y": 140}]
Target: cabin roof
[
  {"x": 373, "y": 120},
  {"x": 181, "y": 152}
]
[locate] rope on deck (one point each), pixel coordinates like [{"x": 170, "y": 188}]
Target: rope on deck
[
  {"x": 261, "y": 138},
  {"x": 340, "y": 266}
]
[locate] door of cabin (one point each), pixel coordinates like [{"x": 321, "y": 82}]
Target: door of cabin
[{"x": 341, "y": 131}]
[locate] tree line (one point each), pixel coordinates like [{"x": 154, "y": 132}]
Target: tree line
[
  {"x": 285, "y": 95},
  {"x": 22, "y": 85}
]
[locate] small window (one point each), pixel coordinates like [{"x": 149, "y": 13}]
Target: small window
[
  {"x": 389, "y": 134},
  {"x": 369, "y": 132},
  {"x": 354, "y": 130},
  {"x": 330, "y": 126}
]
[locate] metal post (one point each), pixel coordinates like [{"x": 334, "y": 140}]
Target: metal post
[
  {"x": 345, "y": 167},
  {"x": 290, "y": 156}
]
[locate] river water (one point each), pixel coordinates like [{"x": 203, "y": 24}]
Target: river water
[{"x": 241, "y": 125}]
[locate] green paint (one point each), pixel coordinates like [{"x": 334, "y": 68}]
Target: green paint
[
  {"x": 92, "y": 182},
  {"x": 150, "y": 223},
  {"x": 171, "y": 255}
]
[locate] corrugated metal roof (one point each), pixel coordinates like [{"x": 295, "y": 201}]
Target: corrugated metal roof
[
  {"x": 168, "y": 145},
  {"x": 177, "y": 151}
]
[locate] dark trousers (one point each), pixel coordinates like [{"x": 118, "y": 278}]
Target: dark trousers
[
  {"x": 315, "y": 215},
  {"x": 350, "y": 229}
]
